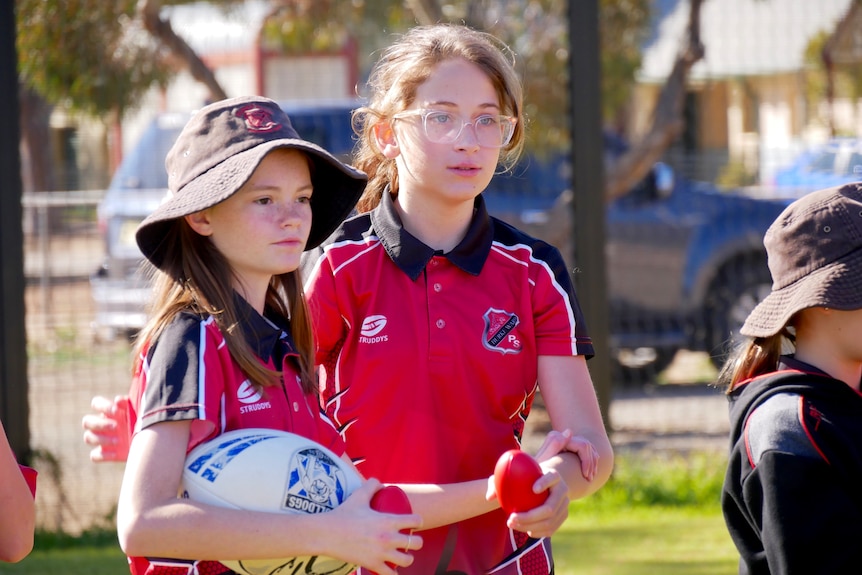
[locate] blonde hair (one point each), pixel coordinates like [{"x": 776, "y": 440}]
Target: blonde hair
[
  {"x": 404, "y": 66},
  {"x": 194, "y": 278}
]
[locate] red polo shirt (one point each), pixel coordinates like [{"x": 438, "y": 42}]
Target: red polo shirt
[
  {"x": 431, "y": 359},
  {"x": 190, "y": 375}
]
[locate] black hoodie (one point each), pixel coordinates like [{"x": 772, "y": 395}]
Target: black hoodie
[{"x": 792, "y": 496}]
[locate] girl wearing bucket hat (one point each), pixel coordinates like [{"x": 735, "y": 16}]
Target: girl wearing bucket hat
[
  {"x": 431, "y": 380},
  {"x": 791, "y": 496},
  {"x": 247, "y": 197}
]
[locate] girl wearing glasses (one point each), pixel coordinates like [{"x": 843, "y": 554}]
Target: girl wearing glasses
[{"x": 436, "y": 323}]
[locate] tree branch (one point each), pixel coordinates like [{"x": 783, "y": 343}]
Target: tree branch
[
  {"x": 667, "y": 121},
  {"x": 148, "y": 11}
]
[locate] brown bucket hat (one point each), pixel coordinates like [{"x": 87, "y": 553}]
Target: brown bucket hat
[
  {"x": 216, "y": 153},
  {"x": 815, "y": 258}
]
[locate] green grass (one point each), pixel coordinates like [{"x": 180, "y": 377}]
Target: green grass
[
  {"x": 659, "y": 515},
  {"x": 92, "y": 553}
]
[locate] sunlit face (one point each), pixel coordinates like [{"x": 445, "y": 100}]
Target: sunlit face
[
  {"x": 457, "y": 171},
  {"x": 262, "y": 229}
]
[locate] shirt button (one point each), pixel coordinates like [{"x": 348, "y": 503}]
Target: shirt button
[
  {"x": 295, "y": 406},
  {"x": 441, "y": 324},
  {"x": 438, "y": 288}
]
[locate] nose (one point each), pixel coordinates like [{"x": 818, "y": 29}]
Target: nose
[
  {"x": 468, "y": 138},
  {"x": 291, "y": 214}
]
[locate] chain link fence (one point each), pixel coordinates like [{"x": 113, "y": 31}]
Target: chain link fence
[{"x": 684, "y": 256}]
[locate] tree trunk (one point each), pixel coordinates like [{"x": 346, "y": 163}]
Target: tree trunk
[
  {"x": 37, "y": 173},
  {"x": 667, "y": 121},
  {"x": 148, "y": 10}
]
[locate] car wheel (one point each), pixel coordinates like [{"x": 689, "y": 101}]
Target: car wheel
[
  {"x": 739, "y": 287},
  {"x": 640, "y": 366}
]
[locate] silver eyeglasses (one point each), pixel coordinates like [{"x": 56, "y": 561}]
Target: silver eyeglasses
[{"x": 491, "y": 130}]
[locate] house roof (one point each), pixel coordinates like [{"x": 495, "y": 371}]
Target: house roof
[{"x": 741, "y": 37}]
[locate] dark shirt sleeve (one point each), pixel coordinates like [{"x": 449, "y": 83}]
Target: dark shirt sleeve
[{"x": 173, "y": 376}]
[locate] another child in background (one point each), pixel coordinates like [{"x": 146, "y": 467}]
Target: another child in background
[
  {"x": 791, "y": 497},
  {"x": 18, "y": 515},
  {"x": 436, "y": 323},
  {"x": 247, "y": 197}
]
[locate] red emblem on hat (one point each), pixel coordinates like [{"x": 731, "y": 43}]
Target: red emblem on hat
[
  {"x": 257, "y": 119},
  {"x": 499, "y": 334}
]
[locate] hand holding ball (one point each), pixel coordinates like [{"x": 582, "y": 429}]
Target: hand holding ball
[
  {"x": 514, "y": 476},
  {"x": 392, "y": 499}
]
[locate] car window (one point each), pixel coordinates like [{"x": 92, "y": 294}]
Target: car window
[{"x": 143, "y": 167}]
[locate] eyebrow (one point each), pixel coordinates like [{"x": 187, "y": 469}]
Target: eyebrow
[{"x": 454, "y": 105}]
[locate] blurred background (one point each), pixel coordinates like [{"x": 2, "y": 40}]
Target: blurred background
[{"x": 713, "y": 116}]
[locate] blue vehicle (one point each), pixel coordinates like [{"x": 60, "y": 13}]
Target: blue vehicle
[
  {"x": 836, "y": 162},
  {"x": 685, "y": 261}
]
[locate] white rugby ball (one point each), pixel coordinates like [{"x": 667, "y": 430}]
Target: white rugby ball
[{"x": 273, "y": 471}]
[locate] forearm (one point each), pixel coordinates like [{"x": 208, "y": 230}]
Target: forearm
[
  {"x": 568, "y": 465},
  {"x": 19, "y": 510},
  {"x": 188, "y": 530},
  {"x": 444, "y": 504}
]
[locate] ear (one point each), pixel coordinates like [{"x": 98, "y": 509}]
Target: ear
[
  {"x": 384, "y": 137},
  {"x": 200, "y": 222}
]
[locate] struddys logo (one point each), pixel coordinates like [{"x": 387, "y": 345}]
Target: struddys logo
[
  {"x": 316, "y": 483},
  {"x": 258, "y": 120},
  {"x": 499, "y": 334}
]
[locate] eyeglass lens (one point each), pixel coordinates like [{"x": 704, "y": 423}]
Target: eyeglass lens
[{"x": 491, "y": 131}]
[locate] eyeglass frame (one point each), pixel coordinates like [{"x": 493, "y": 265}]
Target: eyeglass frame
[{"x": 424, "y": 113}]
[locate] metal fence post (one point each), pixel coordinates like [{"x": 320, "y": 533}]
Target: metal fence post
[
  {"x": 588, "y": 186},
  {"x": 14, "y": 409}
]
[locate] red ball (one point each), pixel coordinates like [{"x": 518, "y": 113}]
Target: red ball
[
  {"x": 514, "y": 476},
  {"x": 391, "y": 499}
]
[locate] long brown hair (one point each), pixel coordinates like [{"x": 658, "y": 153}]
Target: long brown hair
[
  {"x": 195, "y": 277},
  {"x": 405, "y": 65},
  {"x": 755, "y": 356}
]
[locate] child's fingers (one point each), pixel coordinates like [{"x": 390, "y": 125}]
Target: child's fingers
[
  {"x": 587, "y": 454},
  {"x": 555, "y": 442}
]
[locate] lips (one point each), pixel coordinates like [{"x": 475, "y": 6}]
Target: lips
[{"x": 467, "y": 169}]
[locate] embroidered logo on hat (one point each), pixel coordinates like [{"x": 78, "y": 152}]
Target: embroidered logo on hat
[{"x": 257, "y": 119}]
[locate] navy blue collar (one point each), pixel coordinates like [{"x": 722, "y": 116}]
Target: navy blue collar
[
  {"x": 411, "y": 255},
  {"x": 268, "y": 335}
]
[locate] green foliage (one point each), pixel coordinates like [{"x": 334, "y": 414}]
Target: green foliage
[
  {"x": 664, "y": 479},
  {"x": 96, "y": 57},
  {"x": 623, "y": 26},
  {"x": 536, "y": 30},
  {"x": 90, "y": 54}
]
